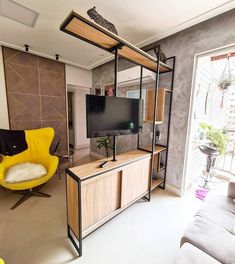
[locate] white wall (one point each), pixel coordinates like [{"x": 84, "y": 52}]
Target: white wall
[
  {"x": 78, "y": 77},
  {"x": 4, "y": 120},
  {"x": 79, "y": 81}
]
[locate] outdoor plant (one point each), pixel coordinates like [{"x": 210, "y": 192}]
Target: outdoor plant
[
  {"x": 106, "y": 143},
  {"x": 217, "y": 137}
]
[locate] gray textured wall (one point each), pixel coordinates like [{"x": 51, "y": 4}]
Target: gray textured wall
[{"x": 216, "y": 32}]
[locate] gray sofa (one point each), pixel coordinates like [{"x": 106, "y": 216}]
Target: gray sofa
[{"x": 210, "y": 237}]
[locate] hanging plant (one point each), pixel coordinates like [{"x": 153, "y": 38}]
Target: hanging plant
[
  {"x": 225, "y": 81},
  {"x": 224, "y": 84}
]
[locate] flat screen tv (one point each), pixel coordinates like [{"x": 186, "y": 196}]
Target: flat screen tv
[{"x": 113, "y": 116}]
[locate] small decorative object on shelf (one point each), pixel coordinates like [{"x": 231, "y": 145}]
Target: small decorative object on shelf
[
  {"x": 94, "y": 15},
  {"x": 162, "y": 55},
  {"x": 98, "y": 89},
  {"x": 109, "y": 89},
  {"x": 157, "y": 136}
]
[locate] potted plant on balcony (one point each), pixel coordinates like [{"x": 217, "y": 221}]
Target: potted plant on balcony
[{"x": 216, "y": 136}]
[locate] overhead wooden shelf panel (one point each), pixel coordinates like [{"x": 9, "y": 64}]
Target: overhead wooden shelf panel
[{"x": 84, "y": 29}]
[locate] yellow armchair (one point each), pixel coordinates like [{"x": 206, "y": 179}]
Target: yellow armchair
[{"x": 39, "y": 141}]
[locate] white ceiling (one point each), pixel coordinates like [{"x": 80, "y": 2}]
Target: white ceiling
[{"x": 139, "y": 22}]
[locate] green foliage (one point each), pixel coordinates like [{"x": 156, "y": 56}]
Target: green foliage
[
  {"x": 216, "y": 136},
  {"x": 104, "y": 142},
  {"x": 205, "y": 126}
]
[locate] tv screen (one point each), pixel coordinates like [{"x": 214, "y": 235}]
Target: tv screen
[{"x": 113, "y": 116}]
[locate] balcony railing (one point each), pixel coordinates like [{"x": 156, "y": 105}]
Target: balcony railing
[{"x": 226, "y": 162}]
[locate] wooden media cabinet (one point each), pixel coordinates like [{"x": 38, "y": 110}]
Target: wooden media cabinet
[{"x": 95, "y": 195}]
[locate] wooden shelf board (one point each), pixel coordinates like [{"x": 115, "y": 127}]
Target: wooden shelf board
[
  {"x": 161, "y": 169},
  {"x": 156, "y": 122},
  {"x": 157, "y": 149},
  {"x": 167, "y": 90},
  {"x": 156, "y": 183},
  {"x": 82, "y": 28},
  {"x": 88, "y": 170}
]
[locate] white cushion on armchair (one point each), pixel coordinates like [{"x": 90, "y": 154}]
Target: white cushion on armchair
[{"x": 25, "y": 172}]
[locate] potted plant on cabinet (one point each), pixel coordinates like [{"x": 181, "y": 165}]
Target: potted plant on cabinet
[{"x": 106, "y": 143}]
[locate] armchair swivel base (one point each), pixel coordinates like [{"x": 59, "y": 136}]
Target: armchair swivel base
[{"x": 28, "y": 193}]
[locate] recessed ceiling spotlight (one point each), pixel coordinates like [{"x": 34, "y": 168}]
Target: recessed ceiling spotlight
[{"x": 18, "y": 12}]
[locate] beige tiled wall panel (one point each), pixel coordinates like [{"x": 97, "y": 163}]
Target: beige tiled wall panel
[{"x": 36, "y": 93}]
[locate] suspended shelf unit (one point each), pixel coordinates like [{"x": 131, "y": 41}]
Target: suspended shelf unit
[{"x": 84, "y": 29}]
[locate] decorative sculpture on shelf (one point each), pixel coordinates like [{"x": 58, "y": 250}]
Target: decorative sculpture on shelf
[
  {"x": 94, "y": 15},
  {"x": 162, "y": 55}
]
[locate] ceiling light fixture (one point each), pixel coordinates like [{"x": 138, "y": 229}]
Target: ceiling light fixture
[{"x": 18, "y": 12}]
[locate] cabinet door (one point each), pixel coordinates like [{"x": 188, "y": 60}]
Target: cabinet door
[
  {"x": 135, "y": 180},
  {"x": 100, "y": 197}
]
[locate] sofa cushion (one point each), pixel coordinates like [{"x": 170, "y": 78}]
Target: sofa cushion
[
  {"x": 218, "y": 215},
  {"x": 189, "y": 254},
  {"x": 25, "y": 172},
  {"x": 211, "y": 238},
  {"x": 221, "y": 201}
]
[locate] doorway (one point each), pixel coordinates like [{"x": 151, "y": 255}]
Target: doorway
[
  {"x": 212, "y": 115},
  {"x": 77, "y": 117},
  {"x": 71, "y": 119}
]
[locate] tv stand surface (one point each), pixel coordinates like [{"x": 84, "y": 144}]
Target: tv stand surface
[{"x": 95, "y": 195}]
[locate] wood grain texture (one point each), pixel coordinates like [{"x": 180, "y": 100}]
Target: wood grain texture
[
  {"x": 157, "y": 149},
  {"x": 110, "y": 216},
  {"x": 160, "y": 105},
  {"x": 135, "y": 180},
  {"x": 87, "y": 170},
  {"x": 156, "y": 162},
  {"x": 156, "y": 183},
  {"x": 135, "y": 56},
  {"x": 90, "y": 33},
  {"x": 100, "y": 198},
  {"x": 72, "y": 204}
]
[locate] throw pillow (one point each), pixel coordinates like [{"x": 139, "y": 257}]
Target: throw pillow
[{"x": 25, "y": 172}]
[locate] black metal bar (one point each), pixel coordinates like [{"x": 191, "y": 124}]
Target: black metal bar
[
  {"x": 67, "y": 213},
  {"x": 169, "y": 119},
  {"x": 154, "y": 119},
  {"x": 115, "y": 72},
  {"x": 140, "y": 97},
  {"x": 80, "y": 217},
  {"x": 160, "y": 145},
  {"x": 114, "y": 149},
  {"x": 118, "y": 46},
  {"x": 115, "y": 95},
  {"x": 73, "y": 241},
  {"x": 79, "y": 238}
]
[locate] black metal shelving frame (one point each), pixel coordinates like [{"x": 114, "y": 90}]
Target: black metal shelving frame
[
  {"x": 114, "y": 50},
  {"x": 156, "y": 89}
]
